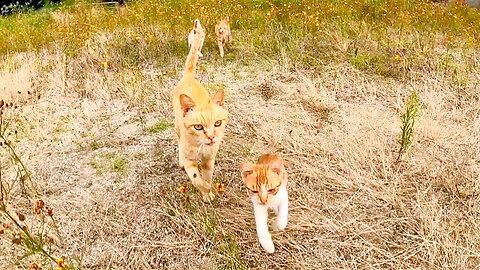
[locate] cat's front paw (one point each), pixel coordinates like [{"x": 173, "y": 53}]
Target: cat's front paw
[
  {"x": 265, "y": 240},
  {"x": 208, "y": 197},
  {"x": 280, "y": 224},
  {"x": 268, "y": 246}
]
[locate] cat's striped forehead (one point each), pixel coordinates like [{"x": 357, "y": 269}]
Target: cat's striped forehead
[
  {"x": 208, "y": 115},
  {"x": 262, "y": 176}
]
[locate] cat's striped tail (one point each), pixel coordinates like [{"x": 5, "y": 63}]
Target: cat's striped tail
[{"x": 196, "y": 46}]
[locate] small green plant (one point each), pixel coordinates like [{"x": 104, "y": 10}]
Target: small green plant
[
  {"x": 108, "y": 162},
  {"x": 362, "y": 61},
  {"x": 119, "y": 164},
  {"x": 408, "y": 121},
  {"x": 94, "y": 145},
  {"x": 160, "y": 126},
  {"x": 229, "y": 256}
]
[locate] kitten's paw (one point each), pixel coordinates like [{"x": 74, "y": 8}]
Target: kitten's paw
[
  {"x": 268, "y": 246},
  {"x": 280, "y": 224},
  {"x": 200, "y": 54},
  {"x": 208, "y": 197}
]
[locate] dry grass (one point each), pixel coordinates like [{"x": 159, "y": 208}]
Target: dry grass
[{"x": 103, "y": 155}]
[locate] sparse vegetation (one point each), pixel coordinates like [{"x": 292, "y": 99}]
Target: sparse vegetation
[
  {"x": 27, "y": 237},
  {"x": 323, "y": 83},
  {"x": 408, "y": 121},
  {"x": 160, "y": 126}
]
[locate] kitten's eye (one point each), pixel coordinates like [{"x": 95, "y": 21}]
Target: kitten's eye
[
  {"x": 198, "y": 127},
  {"x": 218, "y": 123},
  {"x": 273, "y": 190},
  {"x": 253, "y": 191}
]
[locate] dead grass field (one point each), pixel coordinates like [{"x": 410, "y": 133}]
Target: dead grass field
[{"x": 98, "y": 143}]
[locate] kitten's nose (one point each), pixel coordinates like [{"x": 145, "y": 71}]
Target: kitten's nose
[
  {"x": 211, "y": 137},
  {"x": 263, "y": 198}
]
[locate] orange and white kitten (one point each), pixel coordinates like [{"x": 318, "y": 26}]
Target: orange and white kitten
[
  {"x": 223, "y": 32},
  {"x": 191, "y": 36},
  {"x": 199, "y": 121},
  {"x": 266, "y": 182}
]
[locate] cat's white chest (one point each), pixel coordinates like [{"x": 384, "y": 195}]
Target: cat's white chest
[
  {"x": 274, "y": 202},
  {"x": 279, "y": 204}
]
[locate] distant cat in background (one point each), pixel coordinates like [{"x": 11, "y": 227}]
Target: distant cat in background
[
  {"x": 191, "y": 37},
  {"x": 266, "y": 182},
  {"x": 224, "y": 33},
  {"x": 200, "y": 121}
]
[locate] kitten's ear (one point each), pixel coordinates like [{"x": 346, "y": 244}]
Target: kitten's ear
[
  {"x": 227, "y": 19},
  {"x": 186, "y": 103},
  {"x": 246, "y": 169},
  {"x": 277, "y": 166},
  {"x": 218, "y": 98}
]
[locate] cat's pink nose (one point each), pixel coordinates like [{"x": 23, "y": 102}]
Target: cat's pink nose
[{"x": 211, "y": 137}]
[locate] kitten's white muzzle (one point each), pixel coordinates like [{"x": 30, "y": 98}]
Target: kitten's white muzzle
[{"x": 211, "y": 142}]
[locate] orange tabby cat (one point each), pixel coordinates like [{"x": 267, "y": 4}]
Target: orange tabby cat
[
  {"x": 224, "y": 34},
  {"x": 266, "y": 182},
  {"x": 199, "y": 121}
]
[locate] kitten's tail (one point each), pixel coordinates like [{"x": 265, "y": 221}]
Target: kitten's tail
[{"x": 196, "y": 46}]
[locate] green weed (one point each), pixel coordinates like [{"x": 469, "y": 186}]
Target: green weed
[{"x": 408, "y": 122}]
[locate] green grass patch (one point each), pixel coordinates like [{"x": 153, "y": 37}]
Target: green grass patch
[
  {"x": 119, "y": 164},
  {"x": 160, "y": 126},
  {"x": 109, "y": 162},
  {"x": 229, "y": 254},
  {"x": 94, "y": 145},
  {"x": 298, "y": 33}
]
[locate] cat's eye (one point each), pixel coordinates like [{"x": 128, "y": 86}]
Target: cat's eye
[
  {"x": 198, "y": 127},
  {"x": 218, "y": 123},
  {"x": 253, "y": 191},
  {"x": 273, "y": 190}
]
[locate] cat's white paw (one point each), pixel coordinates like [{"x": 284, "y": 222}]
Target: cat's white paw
[
  {"x": 268, "y": 246},
  {"x": 208, "y": 197},
  {"x": 265, "y": 240},
  {"x": 280, "y": 224},
  {"x": 200, "y": 54}
]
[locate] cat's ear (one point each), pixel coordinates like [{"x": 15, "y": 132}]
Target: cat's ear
[
  {"x": 218, "y": 98},
  {"x": 246, "y": 169},
  {"x": 227, "y": 19},
  {"x": 276, "y": 166},
  {"x": 186, "y": 103}
]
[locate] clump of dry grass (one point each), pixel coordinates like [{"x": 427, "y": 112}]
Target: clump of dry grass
[{"x": 329, "y": 98}]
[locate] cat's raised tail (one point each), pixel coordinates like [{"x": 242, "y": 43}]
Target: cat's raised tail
[{"x": 196, "y": 46}]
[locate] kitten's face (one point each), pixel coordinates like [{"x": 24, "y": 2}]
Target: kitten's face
[
  {"x": 263, "y": 180},
  {"x": 223, "y": 25},
  {"x": 207, "y": 123}
]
